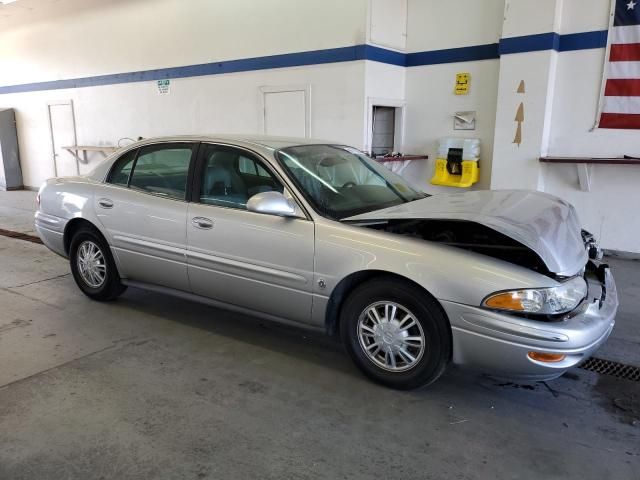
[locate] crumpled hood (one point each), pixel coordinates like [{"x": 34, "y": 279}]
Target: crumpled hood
[{"x": 546, "y": 224}]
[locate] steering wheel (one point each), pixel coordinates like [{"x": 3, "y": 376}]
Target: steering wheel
[{"x": 349, "y": 185}]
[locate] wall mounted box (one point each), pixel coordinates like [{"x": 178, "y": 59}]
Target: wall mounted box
[{"x": 10, "y": 171}]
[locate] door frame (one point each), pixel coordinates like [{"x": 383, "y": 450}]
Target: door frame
[
  {"x": 398, "y": 133},
  {"x": 264, "y": 90},
  {"x": 75, "y": 135}
]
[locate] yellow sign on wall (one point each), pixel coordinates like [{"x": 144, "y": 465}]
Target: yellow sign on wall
[{"x": 463, "y": 80}]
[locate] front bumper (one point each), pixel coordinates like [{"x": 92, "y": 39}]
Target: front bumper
[{"x": 499, "y": 343}]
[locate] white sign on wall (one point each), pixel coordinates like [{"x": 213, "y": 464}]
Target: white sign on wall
[{"x": 164, "y": 86}]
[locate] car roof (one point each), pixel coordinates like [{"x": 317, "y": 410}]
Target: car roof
[{"x": 266, "y": 141}]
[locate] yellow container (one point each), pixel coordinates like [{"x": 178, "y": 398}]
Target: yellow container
[{"x": 470, "y": 174}]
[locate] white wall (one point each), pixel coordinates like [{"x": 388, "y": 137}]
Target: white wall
[
  {"x": 218, "y": 104},
  {"x": 51, "y": 40},
  {"x": 66, "y": 46},
  {"x": 95, "y": 37},
  {"x": 436, "y": 24},
  {"x": 431, "y": 102},
  {"x": 384, "y": 85},
  {"x": 608, "y": 209}
]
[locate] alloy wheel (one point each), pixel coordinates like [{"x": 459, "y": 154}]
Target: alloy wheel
[
  {"x": 391, "y": 336},
  {"x": 91, "y": 264}
]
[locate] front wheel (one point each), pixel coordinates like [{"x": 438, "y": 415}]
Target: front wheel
[
  {"x": 93, "y": 267},
  {"x": 396, "y": 333}
]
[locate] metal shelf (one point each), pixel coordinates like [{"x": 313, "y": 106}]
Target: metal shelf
[
  {"x": 583, "y": 165},
  {"x": 75, "y": 149}
]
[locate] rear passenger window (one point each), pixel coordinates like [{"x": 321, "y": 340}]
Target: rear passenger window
[
  {"x": 163, "y": 170},
  {"x": 122, "y": 169}
]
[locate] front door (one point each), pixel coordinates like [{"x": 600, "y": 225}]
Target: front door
[
  {"x": 144, "y": 211},
  {"x": 252, "y": 260}
]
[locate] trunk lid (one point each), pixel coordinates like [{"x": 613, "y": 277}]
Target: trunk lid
[{"x": 546, "y": 224}]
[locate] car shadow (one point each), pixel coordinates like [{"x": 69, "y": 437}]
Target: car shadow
[
  {"x": 300, "y": 342},
  {"x": 309, "y": 346}
]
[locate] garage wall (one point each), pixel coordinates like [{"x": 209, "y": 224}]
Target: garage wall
[
  {"x": 221, "y": 104},
  {"x": 608, "y": 208},
  {"x": 425, "y": 43},
  {"x": 434, "y": 26},
  {"x": 63, "y": 44},
  {"x": 92, "y": 37}
]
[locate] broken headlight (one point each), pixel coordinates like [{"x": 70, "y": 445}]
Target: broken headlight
[{"x": 540, "y": 301}]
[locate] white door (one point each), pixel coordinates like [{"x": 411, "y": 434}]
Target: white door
[
  {"x": 285, "y": 113},
  {"x": 63, "y": 134}
]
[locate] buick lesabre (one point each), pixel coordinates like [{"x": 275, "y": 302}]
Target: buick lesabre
[{"x": 320, "y": 235}]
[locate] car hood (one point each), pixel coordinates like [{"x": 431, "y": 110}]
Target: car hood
[{"x": 546, "y": 224}]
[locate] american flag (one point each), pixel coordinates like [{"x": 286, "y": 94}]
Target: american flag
[{"x": 621, "y": 100}]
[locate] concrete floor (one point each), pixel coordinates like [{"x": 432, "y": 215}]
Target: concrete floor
[{"x": 152, "y": 387}]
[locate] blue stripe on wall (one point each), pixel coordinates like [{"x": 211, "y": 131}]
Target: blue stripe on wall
[
  {"x": 316, "y": 57},
  {"x": 529, "y": 43},
  {"x": 383, "y": 55},
  {"x": 451, "y": 55},
  {"x": 583, "y": 41}
]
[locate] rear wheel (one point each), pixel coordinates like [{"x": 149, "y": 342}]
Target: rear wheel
[
  {"x": 396, "y": 333},
  {"x": 93, "y": 267}
]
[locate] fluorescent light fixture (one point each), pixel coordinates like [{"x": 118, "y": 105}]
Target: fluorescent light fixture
[{"x": 7, "y": 2}]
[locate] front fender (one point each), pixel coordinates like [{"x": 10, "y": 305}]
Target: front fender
[{"x": 448, "y": 273}]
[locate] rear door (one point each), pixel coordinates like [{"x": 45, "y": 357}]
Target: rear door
[
  {"x": 253, "y": 260},
  {"x": 143, "y": 209}
]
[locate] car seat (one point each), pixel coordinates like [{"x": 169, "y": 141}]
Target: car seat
[{"x": 222, "y": 184}]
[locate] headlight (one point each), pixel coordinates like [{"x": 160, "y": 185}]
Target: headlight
[{"x": 541, "y": 301}]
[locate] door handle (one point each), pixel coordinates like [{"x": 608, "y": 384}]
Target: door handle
[
  {"x": 202, "y": 223},
  {"x": 105, "y": 203}
]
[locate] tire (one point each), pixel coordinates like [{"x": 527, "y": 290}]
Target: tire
[
  {"x": 109, "y": 286},
  {"x": 398, "y": 338}
]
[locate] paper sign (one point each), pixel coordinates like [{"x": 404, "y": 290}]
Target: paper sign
[
  {"x": 462, "y": 83},
  {"x": 164, "y": 87}
]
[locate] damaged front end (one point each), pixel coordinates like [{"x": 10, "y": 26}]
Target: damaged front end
[
  {"x": 468, "y": 236},
  {"x": 530, "y": 229}
]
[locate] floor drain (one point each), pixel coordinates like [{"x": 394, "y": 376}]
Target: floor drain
[
  {"x": 608, "y": 367},
  {"x": 20, "y": 236}
]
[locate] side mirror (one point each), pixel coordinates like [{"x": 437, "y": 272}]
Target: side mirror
[{"x": 272, "y": 203}]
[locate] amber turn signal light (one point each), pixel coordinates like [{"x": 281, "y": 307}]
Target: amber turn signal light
[
  {"x": 547, "y": 357},
  {"x": 505, "y": 301}
]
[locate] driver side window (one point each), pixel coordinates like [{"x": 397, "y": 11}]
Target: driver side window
[{"x": 231, "y": 177}]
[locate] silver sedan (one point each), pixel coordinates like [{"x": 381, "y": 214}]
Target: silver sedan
[{"x": 317, "y": 234}]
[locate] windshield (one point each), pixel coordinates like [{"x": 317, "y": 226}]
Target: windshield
[{"x": 340, "y": 182}]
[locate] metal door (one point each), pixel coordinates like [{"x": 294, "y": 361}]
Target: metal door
[{"x": 10, "y": 172}]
